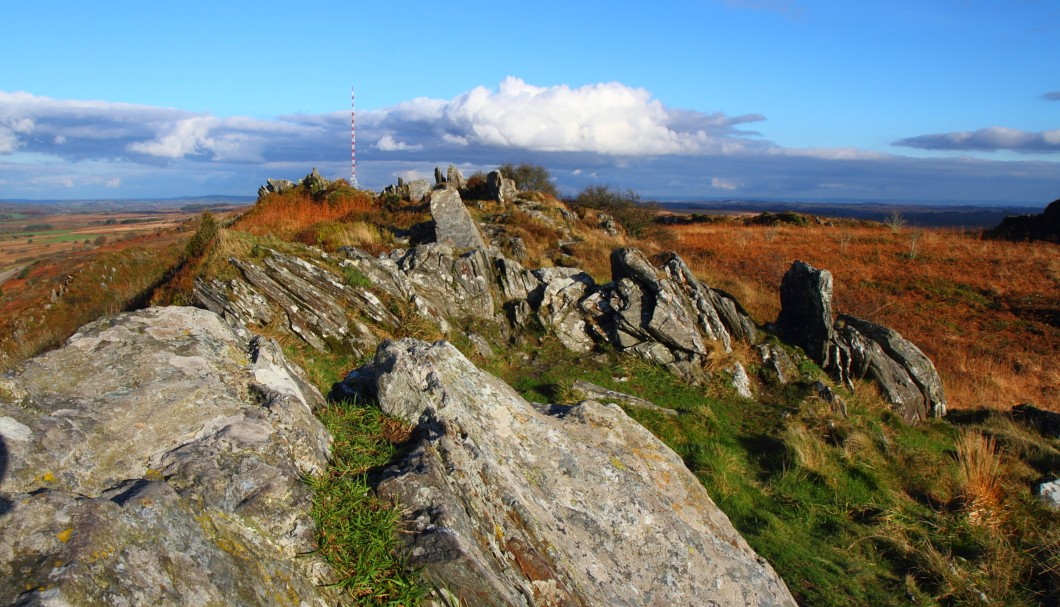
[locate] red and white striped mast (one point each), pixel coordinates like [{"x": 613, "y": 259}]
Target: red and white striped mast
[{"x": 353, "y": 140}]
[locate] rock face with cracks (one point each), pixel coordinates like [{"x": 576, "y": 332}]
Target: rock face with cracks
[
  {"x": 510, "y": 503},
  {"x": 157, "y": 458}
]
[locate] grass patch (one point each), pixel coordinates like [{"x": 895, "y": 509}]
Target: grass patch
[{"x": 357, "y": 534}]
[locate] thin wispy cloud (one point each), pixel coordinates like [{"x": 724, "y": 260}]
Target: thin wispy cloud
[
  {"x": 1052, "y": 96},
  {"x": 988, "y": 139}
]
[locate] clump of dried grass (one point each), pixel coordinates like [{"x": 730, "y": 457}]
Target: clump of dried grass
[{"x": 979, "y": 467}]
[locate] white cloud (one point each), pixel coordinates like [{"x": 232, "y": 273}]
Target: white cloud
[
  {"x": 182, "y": 138},
  {"x": 722, "y": 184},
  {"x": 607, "y": 118},
  {"x": 114, "y": 182},
  {"x": 387, "y": 143}
]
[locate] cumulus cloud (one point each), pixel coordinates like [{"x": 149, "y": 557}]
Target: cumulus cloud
[
  {"x": 607, "y": 118},
  {"x": 989, "y": 139}
]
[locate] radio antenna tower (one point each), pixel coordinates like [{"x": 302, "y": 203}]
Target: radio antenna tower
[{"x": 353, "y": 139}]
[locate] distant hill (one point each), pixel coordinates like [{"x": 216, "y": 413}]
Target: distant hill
[{"x": 968, "y": 216}]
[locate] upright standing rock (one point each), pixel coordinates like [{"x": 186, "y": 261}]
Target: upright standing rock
[
  {"x": 500, "y": 188},
  {"x": 455, "y": 178},
  {"x": 453, "y": 224},
  {"x": 806, "y": 310}
]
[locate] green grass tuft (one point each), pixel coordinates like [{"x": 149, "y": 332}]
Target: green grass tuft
[{"x": 356, "y": 531}]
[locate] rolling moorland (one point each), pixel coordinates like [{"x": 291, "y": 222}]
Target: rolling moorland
[{"x": 850, "y": 507}]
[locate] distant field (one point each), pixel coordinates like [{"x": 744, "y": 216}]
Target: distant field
[{"x": 24, "y": 239}]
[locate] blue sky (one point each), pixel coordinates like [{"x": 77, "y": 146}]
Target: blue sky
[{"x": 932, "y": 100}]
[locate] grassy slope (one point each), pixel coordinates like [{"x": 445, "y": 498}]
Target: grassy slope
[{"x": 858, "y": 509}]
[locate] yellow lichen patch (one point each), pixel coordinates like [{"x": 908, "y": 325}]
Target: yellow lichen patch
[
  {"x": 498, "y": 531},
  {"x": 47, "y": 477},
  {"x": 617, "y": 463},
  {"x": 153, "y": 475},
  {"x": 65, "y": 534}
]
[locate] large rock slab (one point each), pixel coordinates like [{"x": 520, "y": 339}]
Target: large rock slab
[
  {"x": 512, "y": 504},
  {"x": 158, "y": 458},
  {"x": 453, "y": 224}
]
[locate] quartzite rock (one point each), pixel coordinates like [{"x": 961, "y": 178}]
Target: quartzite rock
[
  {"x": 158, "y": 458},
  {"x": 512, "y": 504},
  {"x": 453, "y": 224}
]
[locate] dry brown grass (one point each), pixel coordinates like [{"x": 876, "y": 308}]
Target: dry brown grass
[
  {"x": 984, "y": 311},
  {"x": 979, "y": 467},
  {"x": 288, "y": 214}
]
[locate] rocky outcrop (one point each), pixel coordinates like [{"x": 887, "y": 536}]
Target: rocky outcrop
[
  {"x": 512, "y": 504},
  {"x": 1044, "y": 226},
  {"x": 313, "y": 183},
  {"x": 413, "y": 191},
  {"x": 906, "y": 376},
  {"x": 453, "y": 224},
  {"x": 312, "y": 301},
  {"x": 852, "y": 348},
  {"x": 667, "y": 316},
  {"x": 157, "y": 458}
]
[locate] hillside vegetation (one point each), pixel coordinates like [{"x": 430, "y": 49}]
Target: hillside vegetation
[{"x": 851, "y": 505}]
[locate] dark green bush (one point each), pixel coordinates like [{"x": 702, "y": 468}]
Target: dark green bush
[{"x": 530, "y": 178}]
